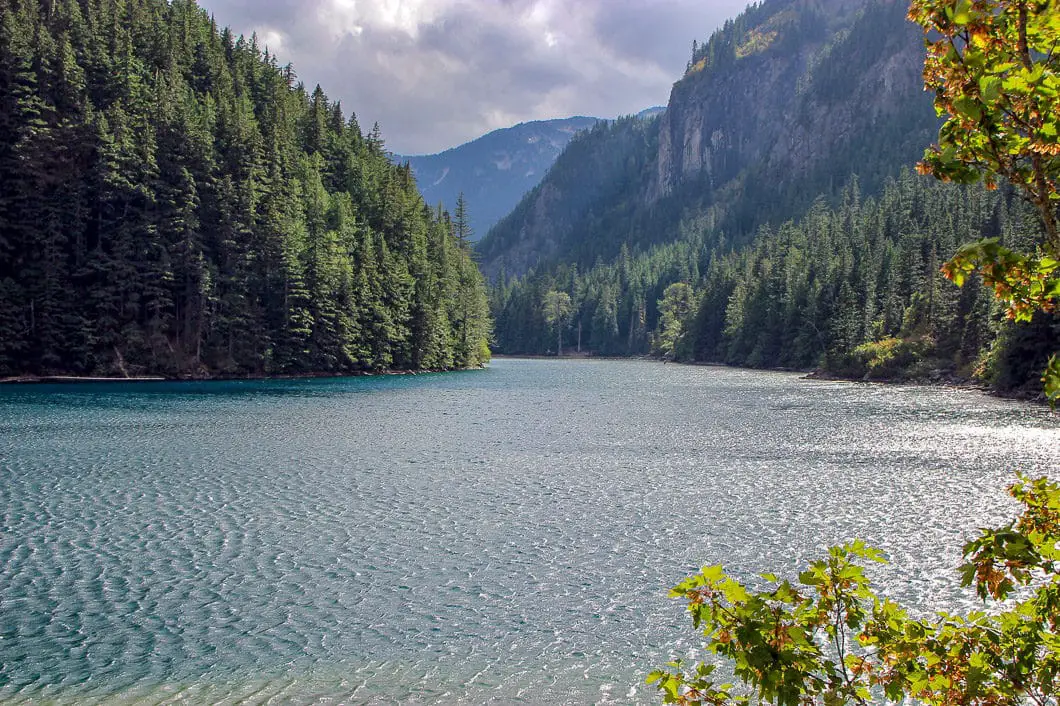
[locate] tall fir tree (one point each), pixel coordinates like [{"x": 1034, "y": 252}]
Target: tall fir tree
[{"x": 173, "y": 202}]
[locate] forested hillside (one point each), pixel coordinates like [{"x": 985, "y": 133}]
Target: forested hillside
[
  {"x": 173, "y": 201},
  {"x": 854, "y": 288},
  {"x": 600, "y": 167},
  {"x": 771, "y": 218},
  {"x": 778, "y": 107}
]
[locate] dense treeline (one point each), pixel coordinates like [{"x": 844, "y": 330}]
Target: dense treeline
[
  {"x": 853, "y": 288},
  {"x": 173, "y": 201}
]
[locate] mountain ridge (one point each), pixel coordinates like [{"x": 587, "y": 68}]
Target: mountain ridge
[
  {"x": 495, "y": 170},
  {"x": 771, "y": 107},
  {"x": 771, "y": 218}
]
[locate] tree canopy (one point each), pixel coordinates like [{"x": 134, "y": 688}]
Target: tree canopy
[
  {"x": 829, "y": 638},
  {"x": 995, "y": 68},
  {"x": 173, "y": 201},
  {"x": 556, "y": 307}
]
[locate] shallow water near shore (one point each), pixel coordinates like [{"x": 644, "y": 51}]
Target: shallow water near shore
[{"x": 499, "y": 535}]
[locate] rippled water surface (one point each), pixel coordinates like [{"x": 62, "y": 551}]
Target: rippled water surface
[{"x": 500, "y": 535}]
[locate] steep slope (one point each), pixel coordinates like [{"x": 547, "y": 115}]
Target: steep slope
[
  {"x": 800, "y": 102},
  {"x": 496, "y": 170},
  {"x": 781, "y": 105},
  {"x": 770, "y": 217},
  {"x": 588, "y": 191},
  {"x": 173, "y": 203}
]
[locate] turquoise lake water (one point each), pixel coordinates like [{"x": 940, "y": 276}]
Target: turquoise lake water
[{"x": 492, "y": 536}]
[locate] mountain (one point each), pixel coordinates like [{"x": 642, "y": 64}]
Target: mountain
[
  {"x": 496, "y": 170},
  {"x": 586, "y": 205},
  {"x": 173, "y": 202},
  {"x": 782, "y": 104},
  {"x": 769, "y": 217}
]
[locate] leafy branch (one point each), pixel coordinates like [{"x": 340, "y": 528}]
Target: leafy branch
[
  {"x": 831, "y": 639},
  {"x": 996, "y": 76}
]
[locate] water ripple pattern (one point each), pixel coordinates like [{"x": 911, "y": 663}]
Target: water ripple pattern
[{"x": 497, "y": 536}]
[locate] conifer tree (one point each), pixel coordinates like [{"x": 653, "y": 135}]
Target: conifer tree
[{"x": 173, "y": 202}]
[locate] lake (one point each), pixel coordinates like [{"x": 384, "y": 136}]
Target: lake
[{"x": 499, "y": 535}]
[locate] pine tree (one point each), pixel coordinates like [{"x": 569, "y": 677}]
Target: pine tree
[{"x": 173, "y": 202}]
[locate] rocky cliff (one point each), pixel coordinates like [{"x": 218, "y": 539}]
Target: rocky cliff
[
  {"x": 783, "y": 104},
  {"x": 809, "y": 81}
]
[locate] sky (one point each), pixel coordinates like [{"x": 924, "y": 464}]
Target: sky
[{"x": 437, "y": 73}]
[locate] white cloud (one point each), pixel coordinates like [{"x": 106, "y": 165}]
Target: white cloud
[{"x": 436, "y": 73}]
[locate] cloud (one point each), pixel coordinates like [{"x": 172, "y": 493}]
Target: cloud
[{"x": 436, "y": 73}]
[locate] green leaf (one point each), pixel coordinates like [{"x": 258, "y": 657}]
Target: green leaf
[
  {"x": 713, "y": 574},
  {"x": 969, "y": 108},
  {"x": 990, "y": 87},
  {"x": 672, "y": 686},
  {"x": 1051, "y": 379},
  {"x": 962, "y": 14}
]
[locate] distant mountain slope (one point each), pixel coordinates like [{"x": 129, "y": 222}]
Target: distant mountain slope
[
  {"x": 649, "y": 113},
  {"x": 586, "y": 205},
  {"x": 495, "y": 170},
  {"x": 770, "y": 217},
  {"x": 782, "y": 105}
]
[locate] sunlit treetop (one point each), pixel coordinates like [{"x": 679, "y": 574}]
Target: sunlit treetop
[{"x": 995, "y": 68}]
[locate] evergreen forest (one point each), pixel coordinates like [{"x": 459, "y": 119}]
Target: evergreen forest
[
  {"x": 854, "y": 288},
  {"x": 173, "y": 201},
  {"x": 771, "y": 251}
]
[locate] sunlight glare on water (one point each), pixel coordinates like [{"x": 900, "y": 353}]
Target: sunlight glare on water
[{"x": 504, "y": 535}]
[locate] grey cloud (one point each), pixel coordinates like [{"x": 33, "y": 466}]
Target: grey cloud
[
  {"x": 675, "y": 23},
  {"x": 481, "y": 64}
]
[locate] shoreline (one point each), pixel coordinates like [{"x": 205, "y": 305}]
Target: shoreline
[
  {"x": 943, "y": 381},
  {"x": 940, "y": 381},
  {"x": 92, "y": 379},
  {"x": 575, "y": 356}
]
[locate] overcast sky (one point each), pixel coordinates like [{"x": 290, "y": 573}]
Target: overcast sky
[{"x": 437, "y": 73}]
